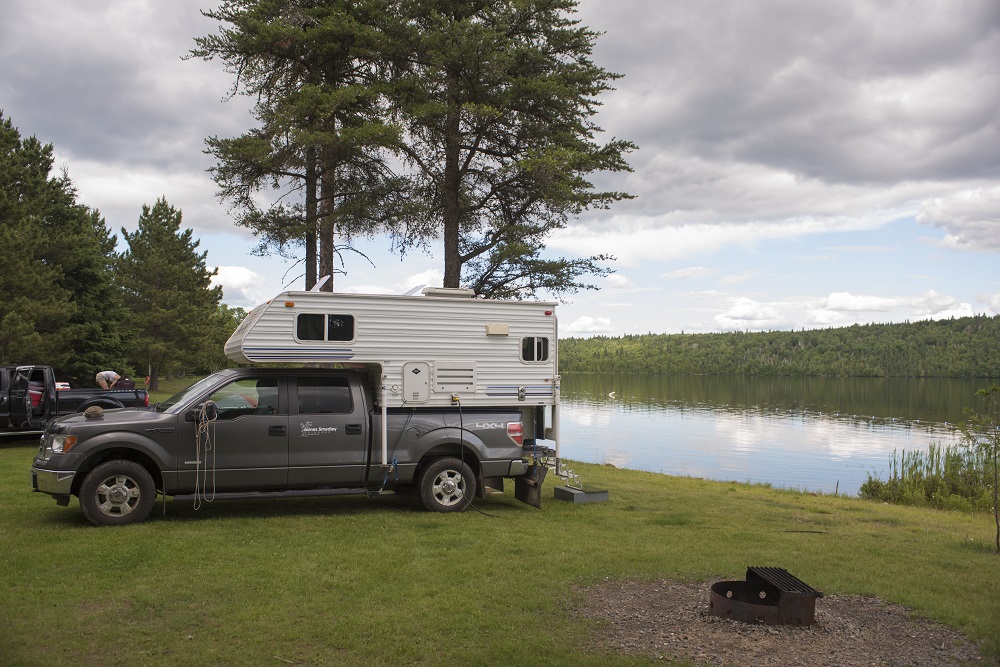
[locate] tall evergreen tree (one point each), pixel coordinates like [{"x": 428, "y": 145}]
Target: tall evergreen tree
[
  {"x": 58, "y": 302},
  {"x": 167, "y": 287},
  {"x": 498, "y": 99},
  {"x": 320, "y": 148}
]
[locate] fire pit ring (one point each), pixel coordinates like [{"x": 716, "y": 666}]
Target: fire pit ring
[{"x": 770, "y": 595}]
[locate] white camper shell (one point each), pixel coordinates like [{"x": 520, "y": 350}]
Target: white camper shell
[
  {"x": 439, "y": 349},
  {"x": 432, "y": 350}
]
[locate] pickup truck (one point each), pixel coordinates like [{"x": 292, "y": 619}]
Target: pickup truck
[
  {"x": 266, "y": 432},
  {"x": 29, "y": 397}
]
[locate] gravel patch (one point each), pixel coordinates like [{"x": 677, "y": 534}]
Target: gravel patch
[{"x": 670, "y": 620}]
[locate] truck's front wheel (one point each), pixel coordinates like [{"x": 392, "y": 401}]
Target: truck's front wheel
[
  {"x": 116, "y": 493},
  {"x": 447, "y": 485}
]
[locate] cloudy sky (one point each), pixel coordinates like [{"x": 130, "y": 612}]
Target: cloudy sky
[{"x": 800, "y": 164}]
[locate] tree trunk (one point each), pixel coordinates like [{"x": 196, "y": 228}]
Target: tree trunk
[
  {"x": 311, "y": 212},
  {"x": 328, "y": 183},
  {"x": 452, "y": 188}
]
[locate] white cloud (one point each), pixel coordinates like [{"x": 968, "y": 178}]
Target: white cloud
[
  {"x": 993, "y": 301},
  {"x": 971, "y": 218},
  {"x": 845, "y": 301},
  {"x": 589, "y": 326},
  {"x": 818, "y": 317},
  {"x": 961, "y": 310},
  {"x": 428, "y": 278},
  {"x": 616, "y": 280},
  {"x": 930, "y": 303},
  {"x": 240, "y": 286},
  {"x": 418, "y": 281},
  {"x": 633, "y": 239},
  {"x": 689, "y": 272},
  {"x": 746, "y": 313}
]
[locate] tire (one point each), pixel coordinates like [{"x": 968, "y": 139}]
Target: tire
[
  {"x": 447, "y": 485},
  {"x": 116, "y": 493}
]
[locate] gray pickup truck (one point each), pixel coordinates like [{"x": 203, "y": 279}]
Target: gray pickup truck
[{"x": 251, "y": 432}]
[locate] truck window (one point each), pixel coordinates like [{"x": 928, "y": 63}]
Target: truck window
[
  {"x": 316, "y": 326},
  {"x": 535, "y": 348},
  {"x": 324, "y": 395},
  {"x": 249, "y": 396}
]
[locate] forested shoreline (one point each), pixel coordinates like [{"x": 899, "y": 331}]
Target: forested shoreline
[{"x": 957, "y": 347}]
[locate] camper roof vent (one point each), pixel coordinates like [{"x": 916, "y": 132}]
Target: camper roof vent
[{"x": 450, "y": 292}]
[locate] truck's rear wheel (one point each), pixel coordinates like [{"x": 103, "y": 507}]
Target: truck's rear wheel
[
  {"x": 116, "y": 493},
  {"x": 447, "y": 485}
]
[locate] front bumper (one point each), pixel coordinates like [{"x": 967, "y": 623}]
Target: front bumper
[{"x": 52, "y": 482}]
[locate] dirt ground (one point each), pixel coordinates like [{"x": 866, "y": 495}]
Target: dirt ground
[{"x": 670, "y": 620}]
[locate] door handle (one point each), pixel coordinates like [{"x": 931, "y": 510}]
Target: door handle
[
  {"x": 276, "y": 430},
  {"x": 352, "y": 429}
]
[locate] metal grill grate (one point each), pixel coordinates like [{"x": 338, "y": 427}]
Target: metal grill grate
[{"x": 782, "y": 580}]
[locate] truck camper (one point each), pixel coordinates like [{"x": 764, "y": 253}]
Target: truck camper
[
  {"x": 430, "y": 348},
  {"x": 440, "y": 394},
  {"x": 439, "y": 349}
]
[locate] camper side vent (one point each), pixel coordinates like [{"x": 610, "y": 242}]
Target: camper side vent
[{"x": 452, "y": 376}]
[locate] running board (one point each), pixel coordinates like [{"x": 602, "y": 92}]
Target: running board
[{"x": 253, "y": 495}]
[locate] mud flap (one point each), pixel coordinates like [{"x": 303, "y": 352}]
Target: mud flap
[{"x": 528, "y": 487}]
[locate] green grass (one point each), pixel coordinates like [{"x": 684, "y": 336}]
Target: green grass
[{"x": 351, "y": 581}]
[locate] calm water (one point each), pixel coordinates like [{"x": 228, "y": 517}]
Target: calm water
[{"x": 815, "y": 434}]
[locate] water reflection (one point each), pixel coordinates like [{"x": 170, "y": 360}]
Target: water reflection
[{"x": 816, "y": 434}]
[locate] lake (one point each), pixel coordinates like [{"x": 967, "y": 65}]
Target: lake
[{"x": 812, "y": 434}]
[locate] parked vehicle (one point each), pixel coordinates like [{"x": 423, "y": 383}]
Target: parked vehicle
[
  {"x": 248, "y": 432},
  {"x": 30, "y": 396},
  {"x": 435, "y": 392}
]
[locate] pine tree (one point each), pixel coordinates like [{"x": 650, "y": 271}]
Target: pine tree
[
  {"x": 58, "y": 302},
  {"x": 167, "y": 288},
  {"x": 319, "y": 152},
  {"x": 497, "y": 98}
]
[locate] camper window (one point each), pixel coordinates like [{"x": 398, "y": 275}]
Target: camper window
[
  {"x": 535, "y": 348},
  {"x": 340, "y": 327},
  {"x": 316, "y": 326},
  {"x": 309, "y": 327},
  {"x": 324, "y": 395}
]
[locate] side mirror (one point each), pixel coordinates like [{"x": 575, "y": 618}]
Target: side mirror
[{"x": 209, "y": 411}]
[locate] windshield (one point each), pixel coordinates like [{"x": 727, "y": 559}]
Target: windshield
[{"x": 172, "y": 404}]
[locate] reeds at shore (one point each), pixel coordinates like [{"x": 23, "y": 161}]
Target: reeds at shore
[{"x": 952, "y": 477}]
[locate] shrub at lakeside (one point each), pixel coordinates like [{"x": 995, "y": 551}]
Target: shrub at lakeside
[
  {"x": 966, "y": 477},
  {"x": 952, "y": 477}
]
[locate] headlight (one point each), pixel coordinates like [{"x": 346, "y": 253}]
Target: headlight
[
  {"x": 62, "y": 443},
  {"x": 57, "y": 444}
]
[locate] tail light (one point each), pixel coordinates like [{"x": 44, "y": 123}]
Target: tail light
[
  {"x": 516, "y": 432},
  {"x": 146, "y": 404}
]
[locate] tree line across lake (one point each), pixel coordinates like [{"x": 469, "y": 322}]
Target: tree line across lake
[{"x": 956, "y": 347}]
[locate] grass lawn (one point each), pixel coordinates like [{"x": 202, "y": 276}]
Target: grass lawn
[{"x": 352, "y": 581}]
